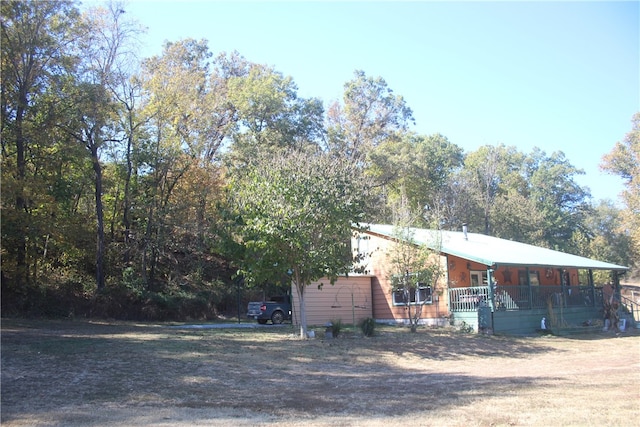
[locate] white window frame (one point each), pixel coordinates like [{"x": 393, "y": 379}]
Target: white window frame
[
  {"x": 481, "y": 276},
  {"x": 414, "y": 294}
]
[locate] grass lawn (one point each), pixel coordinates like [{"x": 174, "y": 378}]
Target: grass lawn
[{"x": 97, "y": 373}]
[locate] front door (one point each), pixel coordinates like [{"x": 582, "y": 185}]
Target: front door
[{"x": 478, "y": 278}]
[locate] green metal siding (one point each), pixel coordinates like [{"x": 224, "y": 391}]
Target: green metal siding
[
  {"x": 528, "y": 322},
  {"x": 468, "y": 317}
]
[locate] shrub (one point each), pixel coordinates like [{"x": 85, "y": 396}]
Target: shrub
[
  {"x": 368, "y": 326},
  {"x": 336, "y": 327},
  {"x": 466, "y": 328}
]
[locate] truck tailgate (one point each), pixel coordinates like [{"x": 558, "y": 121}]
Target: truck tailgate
[{"x": 253, "y": 309}]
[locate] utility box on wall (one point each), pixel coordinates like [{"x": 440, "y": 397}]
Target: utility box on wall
[{"x": 484, "y": 318}]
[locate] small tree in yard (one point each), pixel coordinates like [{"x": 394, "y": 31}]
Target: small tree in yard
[
  {"x": 415, "y": 268},
  {"x": 296, "y": 214}
]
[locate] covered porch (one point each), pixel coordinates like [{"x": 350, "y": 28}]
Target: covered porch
[
  {"x": 504, "y": 286},
  {"x": 524, "y": 309},
  {"x": 508, "y": 287}
]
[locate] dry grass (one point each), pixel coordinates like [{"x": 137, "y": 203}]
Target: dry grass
[{"x": 121, "y": 374}]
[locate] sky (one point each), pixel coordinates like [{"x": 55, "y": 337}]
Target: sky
[{"x": 560, "y": 76}]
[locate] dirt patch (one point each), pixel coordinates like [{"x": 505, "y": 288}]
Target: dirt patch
[{"x": 89, "y": 373}]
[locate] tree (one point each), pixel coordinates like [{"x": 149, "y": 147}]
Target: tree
[
  {"x": 415, "y": 167},
  {"x": 559, "y": 199},
  {"x": 37, "y": 41},
  {"x": 495, "y": 185},
  {"x": 624, "y": 161},
  {"x": 370, "y": 114},
  {"x": 414, "y": 268},
  {"x": 487, "y": 169},
  {"x": 296, "y": 213},
  {"x": 180, "y": 134},
  {"x": 185, "y": 99},
  {"x": 189, "y": 117},
  {"x": 128, "y": 95},
  {"x": 605, "y": 238},
  {"x": 533, "y": 198},
  {"x": 270, "y": 114},
  {"x": 452, "y": 204},
  {"x": 516, "y": 217},
  {"x": 92, "y": 109}
]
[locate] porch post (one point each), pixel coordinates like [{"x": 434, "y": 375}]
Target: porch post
[
  {"x": 530, "y": 289},
  {"x": 592, "y": 288},
  {"x": 492, "y": 304},
  {"x": 563, "y": 287}
]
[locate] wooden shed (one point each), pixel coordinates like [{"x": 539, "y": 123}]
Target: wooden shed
[{"x": 347, "y": 300}]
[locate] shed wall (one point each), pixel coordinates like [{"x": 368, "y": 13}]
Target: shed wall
[{"x": 348, "y": 299}]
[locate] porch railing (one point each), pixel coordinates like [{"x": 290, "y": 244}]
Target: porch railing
[
  {"x": 525, "y": 297},
  {"x": 631, "y": 307},
  {"x": 468, "y": 299}
]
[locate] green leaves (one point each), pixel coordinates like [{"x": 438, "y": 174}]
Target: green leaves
[
  {"x": 416, "y": 167},
  {"x": 624, "y": 161},
  {"x": 370, "y": 115},
  {"x": 297, "y": 211},
  {"x": 270, "y": 114},
  {"x": 527, "y": 197}
]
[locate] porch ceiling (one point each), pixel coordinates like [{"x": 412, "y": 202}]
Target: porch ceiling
[{"x": 489, "y": 250}]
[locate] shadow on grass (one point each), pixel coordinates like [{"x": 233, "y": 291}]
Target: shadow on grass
[{"x": 50, "y": 365}]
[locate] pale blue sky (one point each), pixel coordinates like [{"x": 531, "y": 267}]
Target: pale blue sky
[{"x": 556, "y": 75}]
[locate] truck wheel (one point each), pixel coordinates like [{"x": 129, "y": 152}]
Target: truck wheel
[
  {"x": 277, "y": 317},
  {"x": 262, "y": 321}
]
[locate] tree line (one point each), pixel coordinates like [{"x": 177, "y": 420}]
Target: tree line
[{"x": 137, "y": 188}]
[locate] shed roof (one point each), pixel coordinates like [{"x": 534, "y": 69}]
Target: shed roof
[{"x": 490, "y": 250}]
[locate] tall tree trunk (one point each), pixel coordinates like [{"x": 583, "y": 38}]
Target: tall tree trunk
[
  {"x": 487, "y": 223},
  {"x": 99, "y": 218},
  {"x": 303, "y": 309},
  {"x": 126, "y": 222},
  {"x": 201, "y": 227},
  {"x": 145, "y": 248},
  {"x": 22, "y": 272}
]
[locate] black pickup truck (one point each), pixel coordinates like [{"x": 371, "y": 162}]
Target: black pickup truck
[{"x": 277, "y": 309}]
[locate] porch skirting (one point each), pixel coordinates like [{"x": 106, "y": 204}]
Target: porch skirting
[{"x": 527, "y": 322}]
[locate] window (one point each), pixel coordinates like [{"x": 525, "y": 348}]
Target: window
[
  {"x": 424, "y": 294},
  {"x": 534, "y": 277},
  {"x": 478, "y": 278},
  {"x": 420, "y": 295},
  {"x": 398, "y": 297}
]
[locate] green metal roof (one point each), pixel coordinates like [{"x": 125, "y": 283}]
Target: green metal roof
[{"x": 489, "y": 250}]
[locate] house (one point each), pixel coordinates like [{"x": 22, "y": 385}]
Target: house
[{"x": 488, "y": 283}]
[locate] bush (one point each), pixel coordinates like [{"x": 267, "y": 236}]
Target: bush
[
  {"x": 368, "y": 327},
  {"x": 466, "y": 328},
  {"x": 336, "y": 327}
]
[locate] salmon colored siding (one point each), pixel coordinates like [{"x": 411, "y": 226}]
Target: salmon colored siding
[
  {"x": 546, "y": 276},
  {"x": 349, "y": 297},
  {"x": 378, "y": 264},
  {"x": 459, "y": 277},
  {"x": 459, "y": 271}
]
